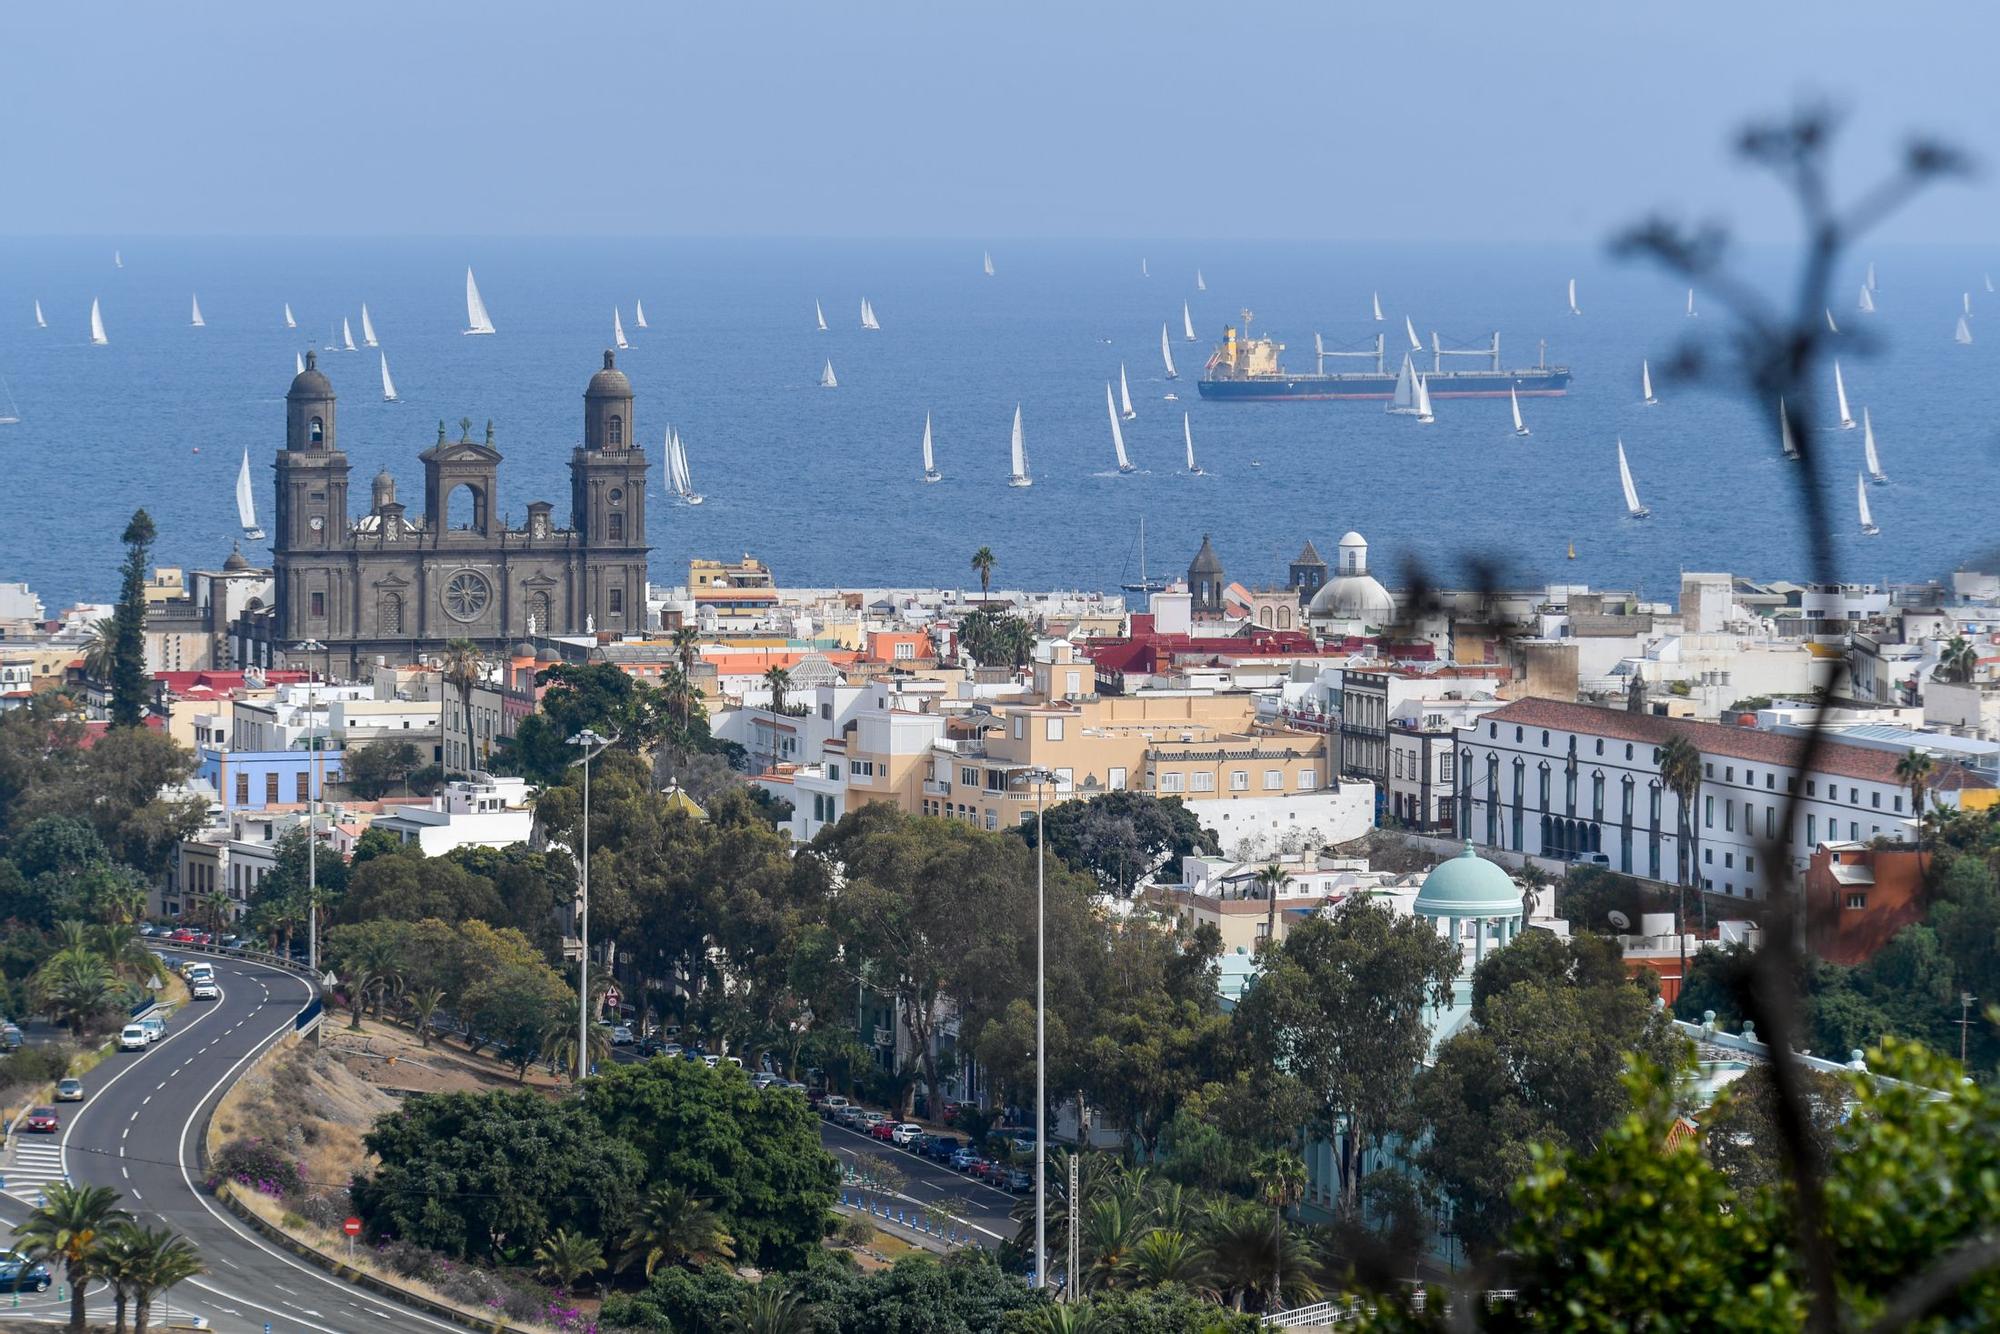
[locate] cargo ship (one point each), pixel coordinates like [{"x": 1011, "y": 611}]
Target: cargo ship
[{"x": 1246, "y": 369}]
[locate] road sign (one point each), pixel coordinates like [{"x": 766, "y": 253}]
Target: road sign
[
  {"x": 611, "y": 997},
  {"x": 352, "y": 1227}
]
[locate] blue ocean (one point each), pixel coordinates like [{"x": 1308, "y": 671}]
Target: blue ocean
[{"x": 825, "y": 485}]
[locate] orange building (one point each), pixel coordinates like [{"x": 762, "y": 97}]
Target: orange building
[{"x": 1858, "y": 897}]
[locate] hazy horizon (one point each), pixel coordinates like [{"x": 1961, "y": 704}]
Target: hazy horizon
[{"x": 1119, "y": 121}]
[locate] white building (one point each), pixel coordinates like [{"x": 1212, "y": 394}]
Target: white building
[{"x": 481, "y": 811}]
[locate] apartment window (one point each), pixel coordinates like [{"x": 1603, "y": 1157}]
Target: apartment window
[
  {"x": 1545, "y": 739},
  {"x": 1116, "y": 779},
  {"x": 1875, "y": 800},
  {"x": 992, "y": 820},
  {"x": 1728, "y": 815},
  {"x": 1812, "y": 788},
  {"x": 866, "y": 768},
  {"x": 1708, "y": 771},
  {"x": 969, "y": 777},
  {"x": 832, "y": 772},
  {"x": 1628, "y": 750},
  {"x": 1854, "y": 831},
  {"x": 301, "y": 787},
  {"x": 1708, "y": 812},
  {"x": 1172, "y": 783},
  {"x": 1749, "y": 862},
  {"x": 1729, "y": 774},
  {"x": 1857, "y": 901},
  {"x": 1597, "y": 796},
  {"x": 1749, "y": 778},
  {"x": 270, "y": 789},
  {"x": 1493, "y": 730},
  {"x": 903, "y": 651},
  {"x": 1544, "y": 789},
  {"x": 1074, "y": 682},
  {"x": 1896, "y": 804},
  {"x": 1729, "y": 859},
  {"x": 1052, "y": 729},
  {"x": 1600, "y": 745},
  {"x": 1518, "y": 734},
  {"x": 1020, "y": 727},
  {"x": 1239, "y": 780},
  {"x": 1770, "y": 822},
  {"x": 1812, "y": 830},
  {"x": 242, "y": 789},
  {"x": 1708, "y": 855},
  {"x": 826, "y": 712},
  {"x": 1063, "y": 779},
  {"x": 1202, "y": 781},
  {"x": 1444, "y": 767},
  {"x": 1274, "y": 780},
  {"x": 1854, "y": 796},
  {"x": 1307, "y": 780}
]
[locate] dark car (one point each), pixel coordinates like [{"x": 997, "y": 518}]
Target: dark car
[
  {"x": 940, "y": 1148},
  {"x": 20, "y": 1274},
  {"x": 41, "y": 1120},
  {"x": 1017, "y": 1181},
  {"x": 652, "y": 1046}
]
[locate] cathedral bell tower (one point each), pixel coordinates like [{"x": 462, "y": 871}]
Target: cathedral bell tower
[
  {"x": 310, "y": 536},
  {"x": 608, "y": 503}
]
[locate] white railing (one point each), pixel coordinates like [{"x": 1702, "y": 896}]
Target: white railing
[{"x": 1319, "y": 1313}]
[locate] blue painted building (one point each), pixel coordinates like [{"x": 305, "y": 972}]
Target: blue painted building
[{"x": 254, "y": 780}]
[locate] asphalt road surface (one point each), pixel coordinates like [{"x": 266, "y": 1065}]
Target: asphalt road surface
[{"x": 984, "y": 1209}]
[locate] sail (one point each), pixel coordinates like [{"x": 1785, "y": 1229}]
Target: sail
[
  {"x": 388, "y": 385},
  {"x": 1144, "y": 272},
  {"x": 826, "y": 380},
  {"x": 1572, "y": 298},
  {"x": 1167, "y": 354},
  {"x": 1117, "y": 435},
  {"x": 97, "y": 324},
  {"x": 680, "y": 480},
  {"x": 1868, "y": 454},
  {"x": 1424, "y": 413},
  {"x": 639, "y": 313},
  {"x": 1187, "y": 435},
  {"x": 1200, "y": 283},
  {"x": 367, "y": 328},
  {"x": 1416, "y": 343},
  {"x": 1187, "y": 323},
  {"x": 1378, "y": 307},
  {"x": 1785, "y": 440},
  {"x": 1989, "y": 282},
  {"x": 1019, "y": 450},
  {"x": 1867, "y": 302},
  {"x": 1691, "y": 310},
  {"x": 1861, "y": 496},
  {"x": 986, "y": 261},
  {"x": 1125, "y": 394},
  {"x": 1962, "y": 334},
  {"x": 300, "y": 363},
  {"x": 1514, "y": 399},
  {"x": 476, "y": 319},
  {"x": 1831, "y": 326},
  {"x": 1632, "y": 505},
  {"x": 117, "y": 260},
  {"x": 194, "y": 316},
  {"x": 1404, "y": 401},
  {"x": 1646, "y": 381},
  {"x": 290, "y": 323},
  {"x": 868, "y": 315},
  {"x": 246, "y": 500},
  {"x": 40, "y": 323},
  {"x": 347, "y": 334},
  {"x": 1840, "y": 393},
  {"x": 618, "y": 331},
  {"x": 930, "y": 464}
]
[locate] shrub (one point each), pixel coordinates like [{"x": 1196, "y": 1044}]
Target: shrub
[
  {"x": 259, "y": 1166},
  {"x": 856, "y": 1231}
]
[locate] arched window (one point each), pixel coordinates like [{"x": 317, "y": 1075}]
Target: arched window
[
  {"x": 1264, "y": 617},
  {"x": 614, "y": 433},
  {"x": 316, "y": 431},
  {"x": 1284, "y": 618},
  {"x": 538, "y": 612},
  {"x": 389, "y": 614}
]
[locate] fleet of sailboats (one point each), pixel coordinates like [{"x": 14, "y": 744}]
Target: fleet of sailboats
[
  {"x": 1187, "y": 436},
  {"x": 367, "y": 328},
  {"x": 195, "y": 321},
  {"x": 638, "y": 313},
  {"x": 680, "y": 482},
  {"x": 1632, "y": 506},
  {"x": 1868, "y": 528},
  {"x": 1962, "y": 334},
  {"x": 826, "y": 380},
  {"x": 1868, "y": 455},
  {"x": 1646, "y": 383},
  {"x": 290, "y": 323},
  {"x": 1117, "y": 435},
  {"x": 1019, "y": 450},
  {"x": 1514, "y": 400},
  {"x": 931, "y": 474},
  {"x": 388, "y": 385},
  {"x": 246, "y": 502},
  {"x": 1167, "y": 354},
  {"x": 618, "y": 331},
  {"x": 1187, "y": 323},
  {"x": 1840, "y": 393},
  {"x": 1125, "y": 394},
  {"x": 868, "y": 320},
  {"x": 1965, "y": 303},
  {"x": 1572, "y": 298},
  {"x": 477, "y": 321},
  {"x": 97, "y": 337}
]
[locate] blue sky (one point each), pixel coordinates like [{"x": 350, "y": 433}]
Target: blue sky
[{"x": 1515, "y": 121}]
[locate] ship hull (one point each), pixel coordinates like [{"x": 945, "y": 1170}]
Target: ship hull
[{"x": 1447, "y": 384}]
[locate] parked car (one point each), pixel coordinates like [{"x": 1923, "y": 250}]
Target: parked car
[
  {"x": 155, "y": 1026},
  {"x": 69, "y": 1090},
  {"x": 964, "y": 1159},
  {"x": 133, "y": 1037},
  {"x": 906, "y": 1134},
  {"x": 939, "y": 1148},
  {"x": 1017, "y": 1181},
  {"x": 20, "y": 1274},
  {"x": 205, "y": 991},
  {"x": 885, "y": 1129},
  {"x": 832, "y": 1105},
  {"x": 41, "y": 1121},
  {"x": 651, "y": 1046},
  {"x": 621, "y": 1035},
  {"x": 10, "y": 1036}
]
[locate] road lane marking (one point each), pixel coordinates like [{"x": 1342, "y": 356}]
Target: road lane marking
[{"x": 125, "y": 1172}]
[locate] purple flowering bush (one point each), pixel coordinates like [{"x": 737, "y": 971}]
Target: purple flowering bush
[{"x": 255, "y": 1164}]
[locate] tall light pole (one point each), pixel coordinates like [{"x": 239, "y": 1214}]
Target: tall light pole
[
  {"x": 593, "y": 745},
  {"x": 309, "y": 647},
  {"x": 1041, "y": 778}
]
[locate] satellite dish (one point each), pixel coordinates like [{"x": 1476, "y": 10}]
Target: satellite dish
[{"x": 1619, "y": 920}]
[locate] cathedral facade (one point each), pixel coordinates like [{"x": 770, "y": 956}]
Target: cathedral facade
[{"x": 394, "y": 584}]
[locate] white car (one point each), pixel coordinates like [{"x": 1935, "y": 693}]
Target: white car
[
  {"x": 134, "y": 1037},
  {"x": 205, "y": 991},
  {"x": 906, "y": 1132}
]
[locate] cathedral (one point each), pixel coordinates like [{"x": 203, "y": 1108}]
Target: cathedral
[{"x": 392, "y": 584}]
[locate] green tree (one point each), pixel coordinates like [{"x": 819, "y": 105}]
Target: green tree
[
  {"x": 1739, "y": 1130},
  {"x": 983, "y": 561},
  {"x": 378, "y": 766},
  {"x": 69, "y": 1229},
  {"x": 129, "y": 695},
  {"x": 410, "y": 886},
  {"x": 996, "y": 638},
  {"x": 162, "y": 1258},
  {"x": 1957, "y": 661},
  {"x": 100, "y": 653},
  {"x": 1915, "y": 770},
  {"x": 463, "y": 668},
  {"x": 1271, "y": 881},
  {"x": 565, "y": 1257},
  {"x": 1281, "y": 1184},
  {"x": 1680, "y": 770},
  {"x": 672, "y": 1227},
  {"x": 1119, "y": 837},
  {"x": 514, "y": 1005},
  {"x": 769, "y": 1309}
]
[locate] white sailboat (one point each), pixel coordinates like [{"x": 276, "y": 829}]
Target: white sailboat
[
  {"x": 1416, "y": 343},
  {"x": 1187, "y": 435},
  {"x": 1840, "y": 394},
  {"x": 1632, "y": 506},
  {"x": 299, "y": 364},
  {"x": 477, "y": 321},
  {"x": 347, "y": 335},
  {"x": 1786, "y": 441},
  {"x": 1424, "y": 413},
  {"x": 1187, "y": 323},
  {"x": 639, "y": 312},
  {"x": 1962, "y": 334},
  {"x": 388, "y": 385},
  {"x": 195, "y": 321},
  {"x": 618, "y": 331},
  {"x": 820, "y": 316},
  {"x": 40, "y": 323},
  {"x": 1572, "y": 298},
  {"x": 1378, "y": 307},
  {"x": 367, "y": 328},
  {"x": 1868, "y": 528},
  {"x": 290, "y": 323},
  {"x": 1831, "y": 326},
  {"x": 1868, "y": 455},
  {"x": 1514, "y": 399},
  {"x": 868, "y": 320},
  {"x": 246, "y": 502},
  {"x": 1125, "y": 394},
  {"x": 1144, "y": 272},
  {"x": 1867, "y": 303},
  {"x": 97, "y": 324},
  {"x": 1167, "y": 354},
  {"x": 826, "y": 380},
  {"x": 931, "y": 474},
  {"x": 680, "y": 481},
  {"x": 1871, "y": 277},
  {"x": 1646, "y": 383},
  {"x": 986, "y": 262},
  {"x": 1691, "y": 310},
  {"x": 1019, "y": 448},
  {"x": 1989, "y": 282},
  {"x": 1403, "y": 403},
  {"x": 1117, "y": 435},
  {"x": 117, "y": 260},
  {"x": 1200, "y": 283}
]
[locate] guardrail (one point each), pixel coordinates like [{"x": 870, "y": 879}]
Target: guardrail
[{"x": 264, "y": 957}]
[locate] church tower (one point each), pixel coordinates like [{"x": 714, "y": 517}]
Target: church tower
[
  {"x": 1205, "y": 581},
  {"x": 608, "y": 504},
  {"x": 311, "y": 512}
]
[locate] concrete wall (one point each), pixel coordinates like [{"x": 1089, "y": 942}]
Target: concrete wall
[{"x": 1252, "y": 827}]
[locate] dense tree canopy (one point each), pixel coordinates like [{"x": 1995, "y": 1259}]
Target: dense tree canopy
[{"x": 1120, "y": 837}]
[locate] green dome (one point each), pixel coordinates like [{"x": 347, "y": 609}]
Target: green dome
[{"x": 1468, "y": 886}]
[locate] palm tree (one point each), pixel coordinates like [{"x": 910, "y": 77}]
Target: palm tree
[
  {"x": 119, "y": 1257},
  {"x": 1111, "y": 1229},
  {"x": 165, "y": 1258},
  {"x": 424, "y": 1005},
  {"x": 558, "y": 1042},
  {"x": 1246, "y": 1255},
  {"x": 71, "y": 1227},
  {"x": 1065, "y": 1320},
  {"x": 779, "y": 680},
  {"x": 567, "y": 1256},
  {"x": 672, "y": 1226},
  {"x": 74, "y": 986},
  {"x": 1957, "y": 661},
  {"x": 1168, "y": 1255},
  {"x": 687, "y": 647},
  {"x": 102, "y": 648},
  {"x": 1271, "y": 880},
  {"x": 464, "y": 668},
  {"x": 1281, "y": 1183},
  {"x": 983, "y": 560},
  {"x": 769, "y": 1309},
  {"x": 1916, "y": 770},
  {"x": 1680, "y": 770}
]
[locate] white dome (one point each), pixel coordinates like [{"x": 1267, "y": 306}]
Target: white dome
[
  {"x": 1353, "y": 539},
  {"x": 1352, "y": 597}
]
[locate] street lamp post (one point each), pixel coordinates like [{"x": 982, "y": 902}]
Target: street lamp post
[
  {"x": 309, "y": 647},
  {"x": 1041, "y": 778},
  {"x": 593, "y": 745}
]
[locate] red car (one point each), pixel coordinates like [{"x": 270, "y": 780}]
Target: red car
[
  {"x": 882, "y": 1130},
  {"x": 41, "y": 1120}
]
